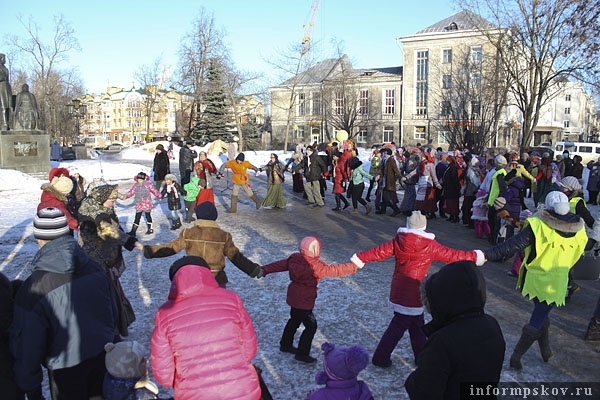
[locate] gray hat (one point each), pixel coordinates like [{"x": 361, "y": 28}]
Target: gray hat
[
  {"x": 50, "y": 223},
  {"x": 500, "y": 161}
]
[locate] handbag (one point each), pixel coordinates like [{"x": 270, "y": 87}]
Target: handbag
[{"x": 587, "y": 268}]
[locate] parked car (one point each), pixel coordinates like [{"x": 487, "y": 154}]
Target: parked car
[{"x": 68, "y": 153}]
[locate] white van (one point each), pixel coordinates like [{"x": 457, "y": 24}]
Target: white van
[{"x": 587, "y": 151}]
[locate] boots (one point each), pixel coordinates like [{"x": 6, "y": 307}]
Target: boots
[
  {"x": 133, "y": 230},
  {"x": 593, "y": 330},
  {"x": 544, "y": 342},
  {"x": 338, "y": 202},
  {"x": 529, "y": 335},
  {"x": 256, "y": 200},
  {"x": 346, "y": 202},
  {"x": 368, "y": 209},
  {"x": 233, "y": 208},
  {"x": 150, "y": 231},
  {"x": 176, "y": 224}
]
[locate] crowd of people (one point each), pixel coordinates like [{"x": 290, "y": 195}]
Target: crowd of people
[{"x": 72, "y": 316}]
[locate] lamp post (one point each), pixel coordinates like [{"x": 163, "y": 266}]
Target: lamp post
[{"x": 76, "y": 110}]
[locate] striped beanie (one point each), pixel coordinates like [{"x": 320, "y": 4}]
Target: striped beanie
[{"x": 50, "y": 223}]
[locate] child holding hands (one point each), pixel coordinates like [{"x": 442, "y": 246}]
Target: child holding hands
[{"x": 306, "y": 270}]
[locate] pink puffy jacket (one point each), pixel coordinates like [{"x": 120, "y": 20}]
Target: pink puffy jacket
[{"x": 203, "y": 341}]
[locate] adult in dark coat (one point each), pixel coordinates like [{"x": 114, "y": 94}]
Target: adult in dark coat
[
  {"x": 388, "y": 175},
  {"x": 451, "y": 190},
  {"x": 314, "y": 167},
  {"x": 161, "y": 166},
  {"x": 64, "y": 314},
  {"x": 464, "y": 344},
  {"x": 186, "y": 162},
  {"x": 10, "y": 391}
]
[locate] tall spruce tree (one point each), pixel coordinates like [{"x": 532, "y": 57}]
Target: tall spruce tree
[{"x": 215, "y": 120}]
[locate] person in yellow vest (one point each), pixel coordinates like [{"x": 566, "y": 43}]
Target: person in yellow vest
[
  {"x": 240, "y": 180},
  {"x": 553, "y": 240},
  {"x": 497, "y": 186}
]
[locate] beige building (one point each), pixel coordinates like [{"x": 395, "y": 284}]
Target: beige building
[{"x": 332, "y": 96}]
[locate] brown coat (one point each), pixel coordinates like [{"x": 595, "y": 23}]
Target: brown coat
[
  {"x": 390, "y": 173},
  {"x": 207, "y": 240}
]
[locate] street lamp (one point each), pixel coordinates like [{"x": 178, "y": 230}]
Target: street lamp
[{"x": 76, "y": 110}]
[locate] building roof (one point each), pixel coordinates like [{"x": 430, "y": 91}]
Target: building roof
[
  {"x": 464, "y": 20},
  {"x": 331, "y": 68}
]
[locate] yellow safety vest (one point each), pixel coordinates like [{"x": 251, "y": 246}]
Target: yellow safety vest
[
  {"x": 494, "y": 188},
  {"x": 547, "y": 275},
  {"x": 573, "y": 203}
]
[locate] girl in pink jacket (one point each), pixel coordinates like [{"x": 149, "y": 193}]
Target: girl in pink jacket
[
  {"x": 203, "y": 341},
  {"x": 306, "y": 270},
  {"x": 414, "y": 251},
  {"x": 143, "y": 190}
]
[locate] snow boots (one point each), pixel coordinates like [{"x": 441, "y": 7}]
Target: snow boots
[
  {"x": 233, "y": 208},
  {"x": 133, "y": 230},
  {"x": 528, "y": 336},
  {"x": 544, "y": 342},
  {"x": 150, "y": 231}
]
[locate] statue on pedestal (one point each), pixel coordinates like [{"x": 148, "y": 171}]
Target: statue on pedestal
[
  {"x": 26, "y": 115},
  {"x": 5, "y": 94}
]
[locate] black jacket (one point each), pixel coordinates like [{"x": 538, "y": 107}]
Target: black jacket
[
  {"x": 161, "y": 166},
  {"x": 315, "y": 170},
  {"x": 464, "y": 344},
  {"x": 173, "y": 197},
  {"x": 186, "y": 159},
  {"x": 64, "y": 312}
]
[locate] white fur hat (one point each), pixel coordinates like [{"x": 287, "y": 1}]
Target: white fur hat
[
  {"x": 62, "y": 184},
  {"x": 557, "y": 201},
  {"x": 416, "y": 221}
]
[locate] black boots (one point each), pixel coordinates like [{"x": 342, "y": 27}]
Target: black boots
[
  {"x": 530, "y": 335},
  {"x": 338, "y": 203},
  {"x": 544, "y": 342},
  {"x": 150, "y": 231},
  {"x": 133, "y": 230},
  {"x": 176, "y": 224}
]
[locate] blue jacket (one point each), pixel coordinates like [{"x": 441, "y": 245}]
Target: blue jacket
[{"x": 64, "y": 312}]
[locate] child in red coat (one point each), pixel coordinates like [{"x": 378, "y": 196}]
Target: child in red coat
[
  {"x": 414, "y": 251},
  {"x": 306, "y": 270}
]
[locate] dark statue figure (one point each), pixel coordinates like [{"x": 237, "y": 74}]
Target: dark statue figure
[
  {"x": 25, "y": 116},
  {"x": 5, "y": 94}
]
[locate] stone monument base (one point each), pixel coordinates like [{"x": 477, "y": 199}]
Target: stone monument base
[{"x": 25, "y": 151}]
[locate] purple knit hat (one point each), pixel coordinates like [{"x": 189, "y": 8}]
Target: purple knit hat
[{"x": 342, "y": 363}]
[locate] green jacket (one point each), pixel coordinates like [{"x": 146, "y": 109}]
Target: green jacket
[{"x": 191, "y": 189}]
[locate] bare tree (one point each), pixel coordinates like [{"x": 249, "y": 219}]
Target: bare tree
[
  {"x": 541, "y": 43},
  {"x": 39, "y": 63},
  {"x": 204, "y": 42},
  {"x": 152, "y": 79},
  {"x": 471, "y": 99}
]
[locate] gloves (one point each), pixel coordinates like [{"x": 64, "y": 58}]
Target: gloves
[
  {"x": 357, "y": 261},
  {"x": 260, "y": 274}
]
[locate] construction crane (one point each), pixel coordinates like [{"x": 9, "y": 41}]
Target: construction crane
[{"x": 306, "y": 46}]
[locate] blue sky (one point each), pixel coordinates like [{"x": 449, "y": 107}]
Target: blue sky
[{"x": 117, "y": 37}]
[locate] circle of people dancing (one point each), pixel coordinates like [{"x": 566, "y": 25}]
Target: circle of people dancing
[{"x": 71, "y": 315}]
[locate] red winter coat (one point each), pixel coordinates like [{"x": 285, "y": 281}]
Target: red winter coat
[
  {"x": 203, "y": 341},
  {"x": 305, "y": 274},
  {"x": 414, "y": 251},
  {"x": 53, "y": 198}
]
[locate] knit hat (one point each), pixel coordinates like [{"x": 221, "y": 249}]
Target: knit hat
[
  {"x": 62, "y": 184},
  {"x": 310, "y": 246},
  {"x": 558, "y": 202},
  {"x": 499, "y": 203},
  {"x": 187, "y": 260},
  {"x": 342, "y": 363},
  {"x": 126, "y": 359},
  {"x": 240, "y": 157},
  {"x": 416, "y": 220},
  {"x": 50, "y": 223},
  {"x": 170, "y": 177},
  {"x": 141, "y": 175},
  {"x": 337, "y": 154},
  {"x": 355, "y": 163},
  {"x": 160, "y": 147},
  {"x": 500, "y": 161},
  {"x": 571, "y": 183},
  {"x": 206, "y": 210}
]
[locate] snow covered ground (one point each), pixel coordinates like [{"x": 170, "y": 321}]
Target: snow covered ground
[{"x": 347, "y": 309}]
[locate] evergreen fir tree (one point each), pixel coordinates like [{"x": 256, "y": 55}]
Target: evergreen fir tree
[{"x": 215, "y": 121}]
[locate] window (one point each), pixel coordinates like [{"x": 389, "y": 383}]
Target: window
[
  {"x": 299, "y": 132},
  {"x": 446, "y": 81},
  {"x": 443, "y": 137},
  {"x": 447, "y": 56},
  {"x": 565, "y": 124},
  {"x": 422, "y": 80},
  {"x": 568, "y": 110},
  {"x": 339, "y": 103},
  {"x": 363, "y": 103},
  {"x": 388, "y": 134},
  {"x": 475, "y": 107},
  {"x": 362, "y": 135},
  {"x": 389, "y": 101},
  {"x": 316, "y": 106},
  {"x": 446, "y": 108},
  {"x": 477, "y": 54},
  {"x": 420, "y": 132},
  {"x": 301, "y": 105},
  {"x": 568, "y": 97}
]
